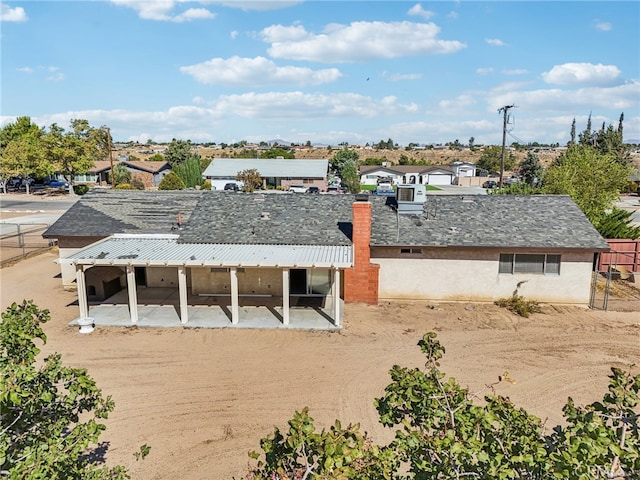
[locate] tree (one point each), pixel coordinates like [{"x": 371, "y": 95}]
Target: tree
[
  {"x": 51, "y": 415},
  {"x": 25, "y": 157},
  {"x": 531, "y": 169},
  {"x": 491, "y": 158},
  {"x": 250, "y": 178},
  {"x": 275, "y": 152},
  {"x": 190, "y": 172},
  {"x": 350, "y": 177},
  {"x": 472, "y": 144},
  {"x": 156, "y": 157},
  {"x": 341, "y": 158},
  {"x": 592, "y": 179},
  {"x": 178, "y": 152},
  {"x": 14, "y": 130},
  {"x": 617, "y": 223},
  {"x": 171, "y": 181},
  {"x": 75, "y": 152},
  {"x": 121, "y": 174},
  {"x": 441, "y": 433}
]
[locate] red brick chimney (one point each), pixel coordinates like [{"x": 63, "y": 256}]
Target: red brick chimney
[{"x": 361, "y": 281}]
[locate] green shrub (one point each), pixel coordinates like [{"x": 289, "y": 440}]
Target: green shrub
[
  {"x": 80, "y": 189},
  {"x": 124, "y": 186},
  {"x": 171, "y": 182},
  {"x": 519, "y": 305}
]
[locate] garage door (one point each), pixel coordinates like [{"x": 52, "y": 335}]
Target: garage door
[{"x": 437, "y": 179}]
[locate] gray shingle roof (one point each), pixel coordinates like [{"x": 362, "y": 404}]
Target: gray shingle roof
[
  {"x": 103, "y": 212},
  {"x": 507, "y": 221},
  {"x": 268, "y": 167},
  {"x": 293, "y": 219}
]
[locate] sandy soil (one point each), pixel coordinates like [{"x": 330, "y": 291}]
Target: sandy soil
[{"x": 203, "y": 398}]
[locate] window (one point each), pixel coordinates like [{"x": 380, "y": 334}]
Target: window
[
  {"x": 410, "y": 250},
  {"x": 543, "y": 264}
]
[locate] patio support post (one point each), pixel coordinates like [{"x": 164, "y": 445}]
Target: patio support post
[
  {"x": 335, "y": 288},
  {"x": 82, "y": 291},
  {"x": 285, "y": 296},
  {"x": 133, "y": 296},
  {"x": 182, "y": 287},
  {"x": 235, "y": 309}
]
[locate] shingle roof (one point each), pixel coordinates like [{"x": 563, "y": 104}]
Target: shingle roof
[
  {"x": 507, "y": 221},
  {"x": 104, "y": 212},
  {"x": 271, "y": 167},
  {"x": 404, "y": 169},
  {"x": 290, "y": 219}
]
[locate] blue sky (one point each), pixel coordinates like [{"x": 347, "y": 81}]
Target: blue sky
[{"x": 324, "y": 71}]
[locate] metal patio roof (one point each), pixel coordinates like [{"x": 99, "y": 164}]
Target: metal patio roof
[{"x": 150, "y": 250}]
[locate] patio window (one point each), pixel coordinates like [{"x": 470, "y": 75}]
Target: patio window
[{"x": 542, "y": 264}]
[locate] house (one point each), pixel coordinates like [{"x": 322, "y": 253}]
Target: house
[
  {"x": 275, "y": 172},
  {"x": 149, "y": 173},
  {"x": 463, "y": 169},
  {"x": 319, "y": 251},
  {"x": 413, "y": 174}
]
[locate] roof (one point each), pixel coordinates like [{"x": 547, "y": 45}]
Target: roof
[
  {"x": 404, "y": 169},
  {"x": 549, "y": 222},
  {"x": 150, "y": 167},
  {"x": 506, "y": 221},
  {"x": 268, "y": 167},
  {"x": 166, "y": 251},
  {"x": 103, "y": 212}
]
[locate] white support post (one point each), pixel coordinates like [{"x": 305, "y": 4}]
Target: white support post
[
  {"x": 336, "y": 297},
  {"x": 83, "y": 304},
  {"x": 285, "y": 296},
  {"x": 235, "y": 308},
  {"x": 182, "y": 287},
  {"x": 133, "y": 295}
]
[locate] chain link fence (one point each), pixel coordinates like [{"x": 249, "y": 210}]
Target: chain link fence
[{"x": 20, "y": 240}]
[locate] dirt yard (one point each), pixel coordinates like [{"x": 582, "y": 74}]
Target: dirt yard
[{"x": 203, "y": 398}]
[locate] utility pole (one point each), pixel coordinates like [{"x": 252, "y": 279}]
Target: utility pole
[
  {"x": 110, "y": 155},
  {"x": 504, "y": 110}
]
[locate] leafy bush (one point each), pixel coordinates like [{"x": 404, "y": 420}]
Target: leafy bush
[
  {"x": 442, "y": 434},
  {"x": 171, "y": 181},
  {"x": 617, "y": 224},
  {"x": 124, "y": 186},
  {"x": 81, "y": 189},
  {"x": 51, "y": 414},
  {"x": 519, "y": 305}
]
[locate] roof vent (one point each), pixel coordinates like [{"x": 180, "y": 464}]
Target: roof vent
[
  {"x": 362, "y": 197},
  {"x": 265, "y": 216}
]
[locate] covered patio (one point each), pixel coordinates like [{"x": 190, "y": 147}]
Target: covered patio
[{"x": 202, "y": 301}]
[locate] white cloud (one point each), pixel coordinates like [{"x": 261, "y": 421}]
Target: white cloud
[
  {"x": 358, "y": 41},
  {"x": 8, "y": 14},
  {"x": 459, "y": 103},
  {"x": 417, "y": 10},
  {"x": 452, "y": 14},
  {"x": 233, "y": 35},
  {"x": 259, "y": 5},
  {"x": 603, "y": 26},
  {"x": 495, "y": 42},
  {"x": 559, "y": 100},
  {"x": 515, "y": 71},
  {"x": 484, "y": 70},
  {"x": 161, "y": 10},
  {"x": 26, "y": 70},
  {"x": 581, "y": 73},
  {"x": 257, "y": 71},
  {"x": 398, "y": 77}
]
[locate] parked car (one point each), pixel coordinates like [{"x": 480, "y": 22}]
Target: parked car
[
  {"x": 333, "y": 189},
  {"x": 490, "y": 184},
  {"x": 56, "y": 184},
  {"x": 297, "y": 188},
  {"x": 231, "y": 186},
  {"x": 313, "y": 190}
]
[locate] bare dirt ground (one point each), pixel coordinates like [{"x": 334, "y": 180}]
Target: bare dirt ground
[{"x": 203, "y": 398}]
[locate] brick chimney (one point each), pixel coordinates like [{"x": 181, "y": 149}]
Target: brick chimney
[{"x": 361, "y": 281}]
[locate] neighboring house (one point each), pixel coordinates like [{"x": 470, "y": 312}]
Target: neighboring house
[
  {"x": 407, "y": 174},
  {"x": 149, "y": 173},
  {"x": 275, "y": 172},
  {"x": 463, "y": 169},
  {"x": 326, "y": 249}
]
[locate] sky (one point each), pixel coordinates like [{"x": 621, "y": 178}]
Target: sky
[{"x": 327, "y": 72}]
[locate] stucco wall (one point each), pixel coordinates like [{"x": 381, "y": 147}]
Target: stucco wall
[
  {"x": 162, "y": 277},
  {"x": 461, "y": 275}
]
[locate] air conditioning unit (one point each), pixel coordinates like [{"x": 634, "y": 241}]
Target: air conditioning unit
[{"x": 411, "y": 198}]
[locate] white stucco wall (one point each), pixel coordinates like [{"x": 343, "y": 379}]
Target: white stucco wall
[{"x": 458, "y": 275}]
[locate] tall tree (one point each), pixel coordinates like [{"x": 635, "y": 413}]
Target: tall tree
[
  {"x": 76, "y": 151},
  {"x": 14, "y": 130},
  {"x": 572, "y": 141},
  {"x": 250, "y": 179},
  {"x": 592, "y": 179},
  {"x": 25, "y": 157},
  {"x": 531, "y": 169},
  {"x": 491, "y": 158},
  {"x": 178, "y": 152},
  {"x": 341, "y": 158}
]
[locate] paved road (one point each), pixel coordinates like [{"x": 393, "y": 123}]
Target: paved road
[{"x": 31, "y": 210}]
